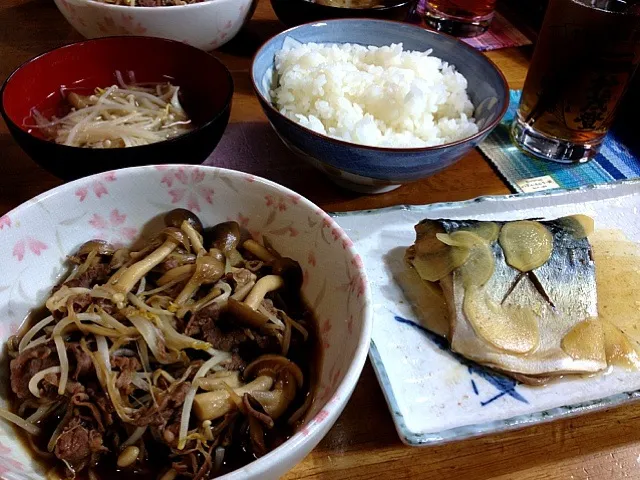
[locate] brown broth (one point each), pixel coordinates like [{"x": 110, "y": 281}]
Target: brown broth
[{"x": 156, "y": 461}]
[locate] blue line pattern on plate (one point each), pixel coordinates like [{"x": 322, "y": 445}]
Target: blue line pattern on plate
[
  {"x": 504, "y": 385},
  {"x": 496, "y": 204}
]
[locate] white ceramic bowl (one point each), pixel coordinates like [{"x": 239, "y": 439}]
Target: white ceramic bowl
[
  {"x": 206, "y": 25},
  {"x": 37, "y": 235}
]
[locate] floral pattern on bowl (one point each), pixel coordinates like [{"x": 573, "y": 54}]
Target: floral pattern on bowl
[{"x": 115, "y": 206}]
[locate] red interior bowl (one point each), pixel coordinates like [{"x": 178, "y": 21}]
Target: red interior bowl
[{"x": 205, "y": 84}]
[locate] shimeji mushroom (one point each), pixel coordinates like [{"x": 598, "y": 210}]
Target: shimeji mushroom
[
  {"x": 176, "y": 273},
  {"x": 245, "y": 281},
  {"x": 290, "y": 271},
  {"x": 225, "y": 237},
  {"x": 215, "y": 404},
  {"x": 285, "y": 267},
  {"x": 190, "y": 224},
  {"x": 99, "y": 246},
  {"x": 217, "y": 254},
  {"x": 276, "y": 380},
  {"x": 178, "y": 215},
  {"x": 259, "y": 251},
  {"x": 132, "y": 274},
  {"x": 288, "y": 379},
  {"x": 194, "y": 237},
  {"x": 247, "y": 311},
  {"x": 218, "y": 380},
  {"x": 208, "y": 270}
]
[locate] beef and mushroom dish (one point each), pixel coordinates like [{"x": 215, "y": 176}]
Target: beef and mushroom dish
[{"x": 187, "y": 357}]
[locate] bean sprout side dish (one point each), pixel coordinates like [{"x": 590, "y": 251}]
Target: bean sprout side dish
[
  {"x": 118, "y": 116},
  {"x": 186, "y": 358}
]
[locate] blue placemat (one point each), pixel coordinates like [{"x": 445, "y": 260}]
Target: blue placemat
[{"x": 619, "y": 159}]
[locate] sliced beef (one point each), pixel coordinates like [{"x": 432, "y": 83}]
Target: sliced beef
[
  {"x": 167, "y": 404},
  {"x": 265, "y": 343},
  {"x": 176, "y": 397},
  {"x": 128, "y": 366},
  {"x": 82, "y": 399},
  {"x": 126, "y": 363},
  {"x": 203, "y": 325},
  {"x": 79, "y": 444},
  {"x": 124, "y": 382},
  {"x": 81, "y": 302},
  {"x": 203, "y": 320},
  {"x": 210, "y": 325},
  {"x": 102, "y": 402},
  {"x": 73, "y": 447},
  {"x": 26, "y": 365},
  {"x": 84, "y": 365},
  {"x": 227, "y": 341},
  {"x": 50, "y": 384},
  {"x": 186, "y": 465},
  {"x": 95, "y": 275}
]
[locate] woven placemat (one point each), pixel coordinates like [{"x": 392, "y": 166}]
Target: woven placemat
[
  {"x": 619, "y": 159},
  {"x": 501, "y": 34}
]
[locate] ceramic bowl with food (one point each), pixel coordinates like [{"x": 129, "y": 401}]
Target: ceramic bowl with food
[
  {"x": 120, "y": 206},
  {"x": 297, "y": 12},
  {"x": 206, "y": 25},
  {"x": 45, "y": 84},
  {"x": 363, "y": 167}
]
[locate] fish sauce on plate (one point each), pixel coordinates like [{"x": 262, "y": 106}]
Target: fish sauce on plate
[
  {"x": 309, "y": 360},
  {"x": 550, "y": 301}
]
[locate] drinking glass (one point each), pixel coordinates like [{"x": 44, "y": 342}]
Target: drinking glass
[
  {"x": 462, "y": 18},
  {"x": 585, "y": 57}
]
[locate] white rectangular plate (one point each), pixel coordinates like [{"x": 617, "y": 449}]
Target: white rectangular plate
[{"x": 436, "y": 396}]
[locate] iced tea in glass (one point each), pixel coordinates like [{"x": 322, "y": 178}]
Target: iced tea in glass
[
  {"x": 463, "y": 18},
  {"x": 585, "y": 57}
]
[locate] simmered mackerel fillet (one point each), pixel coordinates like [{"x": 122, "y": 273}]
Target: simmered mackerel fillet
[{"x": 512, "y": 320}]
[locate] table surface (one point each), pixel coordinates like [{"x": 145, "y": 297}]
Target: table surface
[{"x": 363, "y": 443}]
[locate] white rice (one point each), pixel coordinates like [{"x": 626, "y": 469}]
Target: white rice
[{"x": 381, "y": 96}]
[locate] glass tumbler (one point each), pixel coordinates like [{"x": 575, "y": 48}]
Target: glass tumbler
[
  {"x": 462, "y": 18},
  {"x": 585, "y": 57}
]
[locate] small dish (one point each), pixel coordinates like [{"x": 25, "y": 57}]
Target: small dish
[
  {"x": 436, "y": 396},
  {"x": 370, "y": 169},
  {"x": 206, "y": 88},
  {"x": 297, "y": 12},
  {"x": 206, "y": 25}
]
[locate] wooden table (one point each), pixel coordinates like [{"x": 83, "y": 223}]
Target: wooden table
[{"x": 363, "y": 443}]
